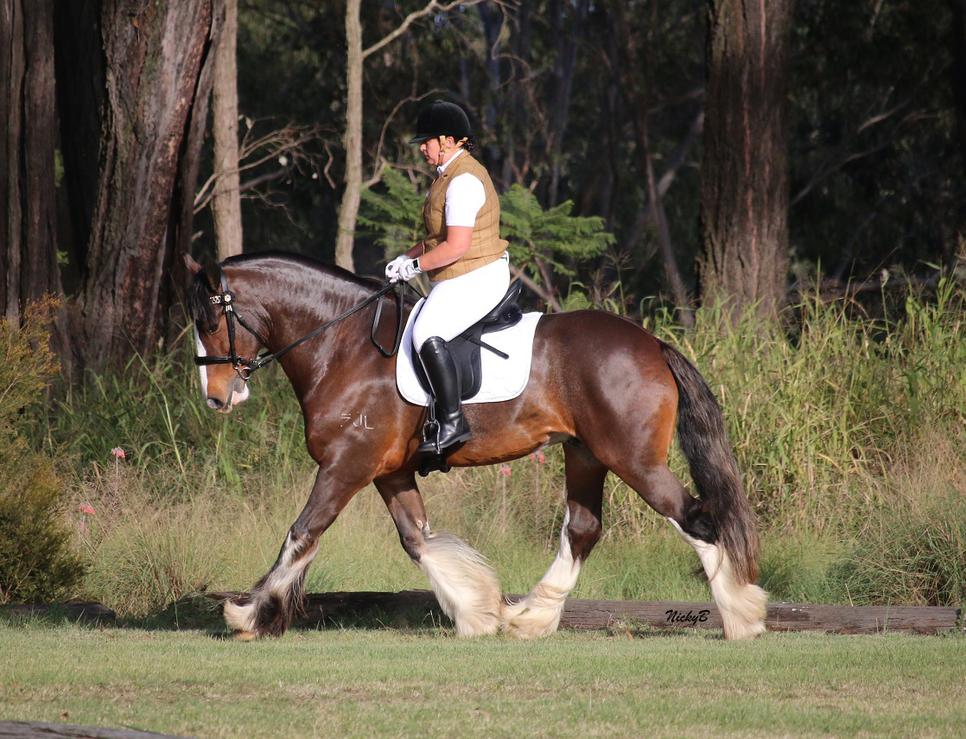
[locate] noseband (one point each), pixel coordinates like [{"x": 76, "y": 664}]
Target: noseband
[{"x": 245, "y": 367}]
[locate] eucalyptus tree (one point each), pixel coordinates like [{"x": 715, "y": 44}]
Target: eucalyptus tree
[
  {"x": 28, "y": 132},
  {"x": 744, "y": 192}
]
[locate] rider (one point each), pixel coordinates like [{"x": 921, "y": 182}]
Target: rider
[{"x": 463, "y": 254}]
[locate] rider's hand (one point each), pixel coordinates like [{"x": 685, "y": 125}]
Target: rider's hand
[
  {"x": 408, "y": 269},
  {"x": 392, "y": 269}
]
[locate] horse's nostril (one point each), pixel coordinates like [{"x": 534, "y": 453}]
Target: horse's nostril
[{"x": 215, "y": 404}]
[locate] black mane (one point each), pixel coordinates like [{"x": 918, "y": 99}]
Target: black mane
[
  {"x": 203, "y": 285},
  {"x": 199, "y": 306}
]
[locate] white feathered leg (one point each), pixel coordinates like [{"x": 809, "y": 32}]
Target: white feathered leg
[
  {"x": 269, "y": 606},
  {"x": 742, "y": 607},
  {"x": 465, "y": 585},
  {"x": 538, "y": 614}
]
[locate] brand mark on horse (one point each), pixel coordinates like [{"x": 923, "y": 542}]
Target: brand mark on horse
[{"x": 359, "y": 422}]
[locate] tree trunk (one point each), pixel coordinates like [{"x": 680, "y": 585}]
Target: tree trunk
[
  {"x": 349, "y": 209},
  {"x": 28, "y": 129},
  {"x": 659, "y": 218},
  {"x": 744, "y": 188},
  {"x": 226, "y": 198},
  {"x": 153, "y": 54},
  {"x": 516, "y": 155},
  {"x": 492, "y": 19},
  {"x": 181, "y": 228}
]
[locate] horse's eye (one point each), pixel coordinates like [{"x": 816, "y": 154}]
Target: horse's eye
[{"x": 206, "y": 329}]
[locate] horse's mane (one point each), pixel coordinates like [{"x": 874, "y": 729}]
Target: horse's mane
[
  {"x": 329, "y": 270},
  {"x": 206, "y": 282},
  {"x": 202, "y": 287}
]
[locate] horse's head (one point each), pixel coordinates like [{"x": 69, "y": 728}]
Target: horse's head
[{"x": 223, "y": 381}]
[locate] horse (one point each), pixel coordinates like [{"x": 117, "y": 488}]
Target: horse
[{"x": 600, "y": 384}]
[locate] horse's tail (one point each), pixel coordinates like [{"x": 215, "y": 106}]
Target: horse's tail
[{"x": 714, "y": 470}]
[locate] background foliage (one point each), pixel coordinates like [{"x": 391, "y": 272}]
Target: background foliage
[
  {"x": 875, "y": 158},
  {"x": 845, "y": 415},
  {"x": 37, "y": 560},
  {"x": 846, "y": 430}
]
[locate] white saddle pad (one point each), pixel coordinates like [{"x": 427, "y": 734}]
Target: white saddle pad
[{"x": 503, "y": 379}]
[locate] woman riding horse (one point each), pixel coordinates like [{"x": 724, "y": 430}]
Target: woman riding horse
[
  {"x": 463, "y": 254},
  {"x": 602, "y": 386}
]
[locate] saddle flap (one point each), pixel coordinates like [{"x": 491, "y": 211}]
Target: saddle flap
[
  {"x": 503, "y": 379},
  {"x": 465, "y": 348}
]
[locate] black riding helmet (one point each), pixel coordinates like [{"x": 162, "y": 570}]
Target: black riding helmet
[{"x": 441, "y": 118}]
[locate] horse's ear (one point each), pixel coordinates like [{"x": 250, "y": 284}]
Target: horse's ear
[
  {"x": 193, "y": 267},
  {"x": 213, "y": 275}
]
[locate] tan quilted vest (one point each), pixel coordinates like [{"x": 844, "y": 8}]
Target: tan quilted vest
[{"x": 486, "y": 246}]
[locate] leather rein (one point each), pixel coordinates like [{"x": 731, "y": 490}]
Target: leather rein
[{"x": 245, "y": 366}]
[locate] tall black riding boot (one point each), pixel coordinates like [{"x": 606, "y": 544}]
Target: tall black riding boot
[{"x": 441, "y": 372}]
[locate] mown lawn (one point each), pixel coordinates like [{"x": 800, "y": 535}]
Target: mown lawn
[{"x": 378, "y": 682}]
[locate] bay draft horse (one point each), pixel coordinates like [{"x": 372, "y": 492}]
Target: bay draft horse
[{"x": 601, "y": 385}]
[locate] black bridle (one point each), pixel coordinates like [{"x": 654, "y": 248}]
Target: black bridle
[{"x": 245, "y": 366}]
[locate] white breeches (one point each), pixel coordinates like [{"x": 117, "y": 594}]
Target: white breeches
[{"x": 454, "y": 305}]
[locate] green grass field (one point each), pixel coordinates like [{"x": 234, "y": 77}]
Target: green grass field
[{"x": 389, "y": 682}]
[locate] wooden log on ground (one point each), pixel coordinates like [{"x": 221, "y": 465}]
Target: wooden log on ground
[
  {"x": 86, "y": 612},
  {"x": 24, "y": 729},
  {"x": 590, "y": 614},
  {"x": 335, "y": 608}
]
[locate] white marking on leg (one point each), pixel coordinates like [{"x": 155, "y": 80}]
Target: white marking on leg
[
  {"x": 538, "y": 614},
  {"x": 242, "y": 617},
  {"x": 465, "y": 585},
  {"x": 202, "y": 369},
  {"x": 742, "y": 607},
  {"x": 288, "y": 569}
]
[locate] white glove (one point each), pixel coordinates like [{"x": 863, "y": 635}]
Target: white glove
[
  {"x": 392, "y": 269},
  {"x": 408, "y": 270}
]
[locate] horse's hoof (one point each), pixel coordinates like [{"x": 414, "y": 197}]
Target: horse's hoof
[{"x": 244, "y": 636}]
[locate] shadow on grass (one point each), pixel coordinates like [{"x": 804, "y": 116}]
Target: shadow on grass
[
  {"x": 414, "y": 612},
  {"x": 199, "y": 612}
]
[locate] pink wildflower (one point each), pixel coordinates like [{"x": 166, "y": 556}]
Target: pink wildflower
[
  {"x": 541, "y": 459},
  {"x": 505, "y": 470},
  {"x": 86, "y": 508},
  {"x": 118, "y": 453}
]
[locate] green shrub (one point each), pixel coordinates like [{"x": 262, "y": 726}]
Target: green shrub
[
  {"x": 153, "y": 409},
  {"x": 36, "y": 560}
]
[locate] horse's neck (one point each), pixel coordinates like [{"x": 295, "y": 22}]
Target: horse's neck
[{"x": 298, "y": 302}]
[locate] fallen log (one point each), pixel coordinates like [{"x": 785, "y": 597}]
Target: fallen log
[
  {"x": 326, "y": 609},
  {"x": 74, "y": 611},
  {"x": 22, "y": 729}
]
